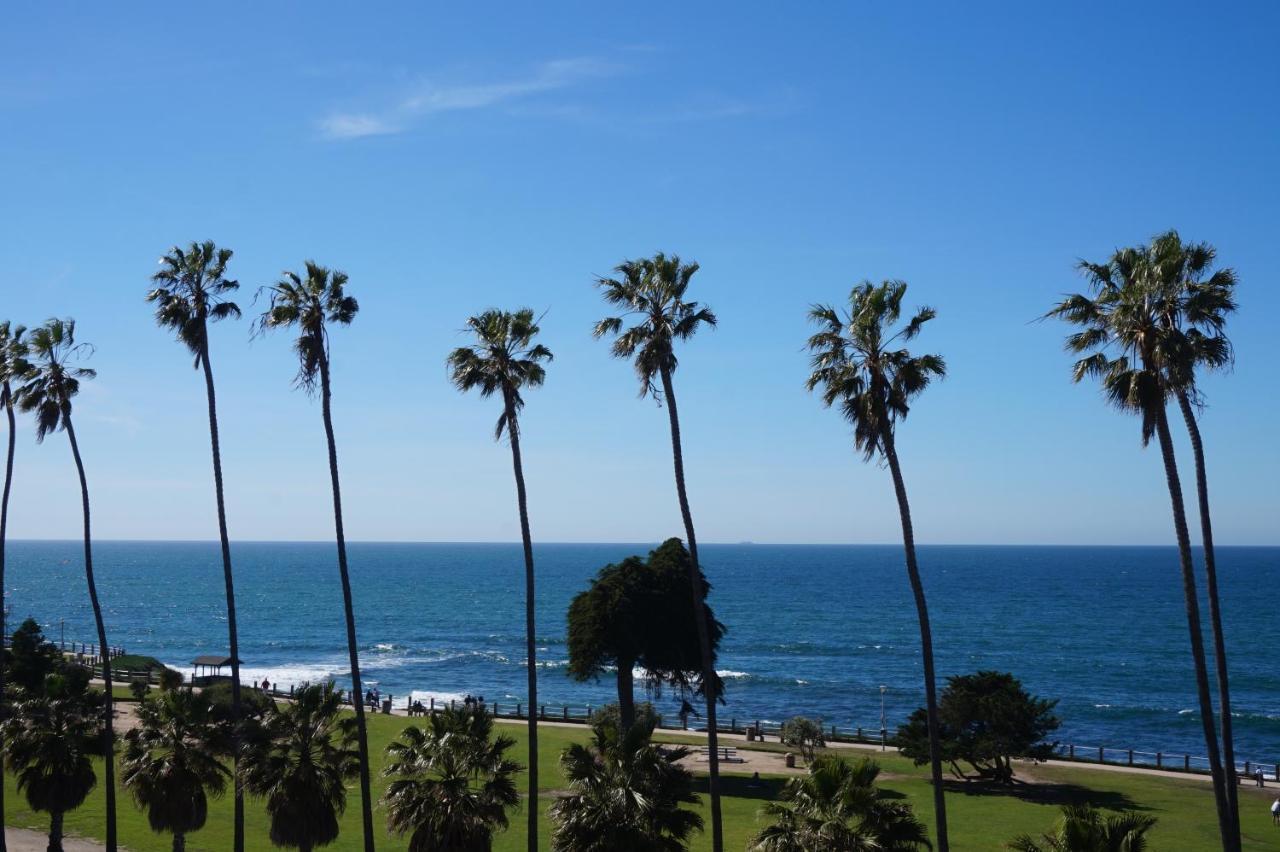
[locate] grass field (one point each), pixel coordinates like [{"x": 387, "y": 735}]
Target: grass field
[{"x": 980, "y": 820}]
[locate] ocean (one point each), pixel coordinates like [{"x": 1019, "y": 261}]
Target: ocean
[{"x": 812, "y": 630}]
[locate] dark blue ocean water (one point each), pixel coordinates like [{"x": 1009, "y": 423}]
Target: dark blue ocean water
[{"x": 811, "y": 629}]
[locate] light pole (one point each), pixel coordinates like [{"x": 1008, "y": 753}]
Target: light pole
[{"x": 883, "y": 727}]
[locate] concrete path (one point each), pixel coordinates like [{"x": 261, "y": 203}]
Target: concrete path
[{"x": 21, "y": 840}]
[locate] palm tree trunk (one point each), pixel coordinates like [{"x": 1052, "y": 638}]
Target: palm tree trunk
[
  {"x": 926, "y": 639},
  {"x": 626, "y": 693},
  {"x": 179, "y": 843},
  {"x": 1215, "y": 613},
  {"x": 699, "y": 617},
  {"x": 232, "y": 630},
  {"x": 517, "y": 464},
  {"x": 108, "y": 707},
  {"x": 55, "y": 832},
  {"x": 357, "y": 691},
  {"x": 6, "y": 399},
  {"x": 1193, "y": 627}
]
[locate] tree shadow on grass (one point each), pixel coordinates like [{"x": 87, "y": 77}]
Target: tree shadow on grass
[
  {"x": 1046, "y": 793},
  {"x": 743, "y": 787}
]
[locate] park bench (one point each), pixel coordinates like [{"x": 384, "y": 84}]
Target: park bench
[{"x": 725, "y": 753}]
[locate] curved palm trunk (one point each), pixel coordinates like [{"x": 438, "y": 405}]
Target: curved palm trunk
[
  {"x": 232, "y": 630},
  {"x": 55, "y": 832},
  {"x": 699, "y": 617},
  {"x": 108, "y": 707},
  {"x": 357, "y": 691},
  {"x": 513, "y": 431},
  {"x": 1215, "y": 613},
  {"x": 926, "y": 640},
  {"x": 1193, "y": 628},
  {"x": 6, "y": 399}
]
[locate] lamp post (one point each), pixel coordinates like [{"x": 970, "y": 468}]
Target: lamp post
[{"x": 883, "y": 726}]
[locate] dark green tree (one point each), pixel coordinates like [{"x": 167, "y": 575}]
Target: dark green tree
[
  {"x": 634, "y": 615},
  {"x": 170, "y": 762},
  {"x": 861, "y": 364},
  {"x": 49, "y": 739},
  {"x": 985, "y": 720},
  {"x": 650, "y": 294},
  {"x": 48, "y": 389},
  {"x": 1083, "y": 829},
  {"x": 312, "y": 302},
  {"x": 299, "y": 759},
  {"x": 452, "y": 783},
  {"x": 803, "y": 734},
  {"x": 504, "y": 361},
  {"x": 838, "y": 808},
  {"x": 625, "y": 795},
  {"x": 1128, "y": 346},
  {"x": 192, "y": 290},
  {"x": 30, "y": 657}
]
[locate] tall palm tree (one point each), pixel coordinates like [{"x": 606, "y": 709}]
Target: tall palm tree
[
  {"x": 49, "y": 739},
  {"x": 625, "y": 794},
  {"x": 452, "y": 783},
  {"x": 48, "y": 389},
  {"x": 1127, "y": 347},
  {"x": 505, "y": 361},
  {"x": 312, "y": 302},
  {"x": 1083, "y": 829},
  {"x": 191, "y": 290},
  {"x": 837, "y": 808},
  {"x": 651, "y": 294},
  {"x": 171, "y": 764},
  {"x": 860, "y": 363},
  {"x": 13, "y": 367},
  {"x": 1195, "y": 303},
  {"x": 299, "y": 758}
]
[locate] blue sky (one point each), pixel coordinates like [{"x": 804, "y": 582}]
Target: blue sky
[{"x": 451, "y": 159}]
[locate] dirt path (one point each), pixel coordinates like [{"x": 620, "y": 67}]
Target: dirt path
[{"x": 22, "y": 840}]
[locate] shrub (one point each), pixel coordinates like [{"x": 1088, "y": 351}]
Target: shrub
[{"x": 804, "y": 734}]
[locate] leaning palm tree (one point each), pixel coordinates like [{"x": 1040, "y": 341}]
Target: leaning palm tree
[
  {"x": 837, "y": 808},
  {"x": 299, "y": 758},
  {"x": 191, "y": 290},
  {"x": 625, "y": 794},
  {"x": 860, "y": 364},
  {"x": 48, "y": 740},
  {"x": 1083, "y": 829},
  {"x": 13, "y": 367},
  {"x": 48, "y": 389},
  {"x": 505, "y": 361},
  {"x": 651, "y": 293},
  {"x": 452, "y": 783},
  {"x": 1126, "y": 345},
  {"x": 312, "y": 302},
  {"x": 1195, "y": 302},
  {"x": 171, "y": 764}
]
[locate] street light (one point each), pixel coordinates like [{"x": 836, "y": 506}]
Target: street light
[{"x": 883, "y": 727}]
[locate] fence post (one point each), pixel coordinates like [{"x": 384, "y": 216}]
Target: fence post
[
  {"x": 1159, "y": 760},
  {"x": 566, "y": 712},
  {"x": 733, "y": 725},
  {"x": 858, "y": 736},
  {"x": 1186, "y": 763},
  {"x": 1131, "y": 757},
  {"x": 517, "y": 710},
  {"x": 542, "y": 711},
  {"x": 1071, "y": 752},
  {"x": 1101, "y": 759}
]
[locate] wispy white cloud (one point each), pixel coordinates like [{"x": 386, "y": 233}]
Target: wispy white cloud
[{"x": 432, "y": 98}]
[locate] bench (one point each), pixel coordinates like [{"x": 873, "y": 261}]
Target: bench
[{"x": 725, "y": 753}]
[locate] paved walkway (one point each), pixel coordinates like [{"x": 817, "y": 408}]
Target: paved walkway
[{"x": 21, "y": 840}]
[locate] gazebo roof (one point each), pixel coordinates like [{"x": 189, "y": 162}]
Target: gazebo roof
[{"x": 212, "y": 660}]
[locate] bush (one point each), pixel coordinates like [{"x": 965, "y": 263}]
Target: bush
[
  {"x": 985, "y": 720},
  {"x": 611, "y": 716},
  {"x": 253, "y": 704},
  {"x": 804, "y": 734}
]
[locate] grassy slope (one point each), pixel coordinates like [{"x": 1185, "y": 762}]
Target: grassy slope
[{"x": 978, "y": 822}]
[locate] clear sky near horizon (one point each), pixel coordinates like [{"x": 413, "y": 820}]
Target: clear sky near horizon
[{"x": 452, "y": 158}]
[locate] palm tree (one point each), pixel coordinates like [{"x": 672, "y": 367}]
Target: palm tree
[
  {"x": 1196, "y": 303},
  {"x": 506, "y": 361},
  {"x": 837, "y": 808},
  {"x": 13, "y": 366},
  {"x": 299, "y": 758},
  {"x": 859, "y": 362},
  {"x": 49, "y": 739},
  {"x": 191, "y": 290},
  {"x": 652, "y": 293},
  {"x": 453, "y": 783},
  {"x": 49, "y": 387},
  {"x": 1127, "y": 347},
  {"x": 312, "y": 302},
  {"x": 625, "y": 794},
  {"x": 1083, "y": 829},
  {"x": 171, "y": 764}
]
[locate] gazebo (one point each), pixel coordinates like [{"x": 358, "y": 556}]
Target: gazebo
[{"x": 209, "y": 666}]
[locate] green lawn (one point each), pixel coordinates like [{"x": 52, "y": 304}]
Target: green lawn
[{"x": 979, "y": 821}]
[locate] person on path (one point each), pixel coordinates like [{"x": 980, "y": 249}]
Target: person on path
[{"x": 1275, "y": 812}]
